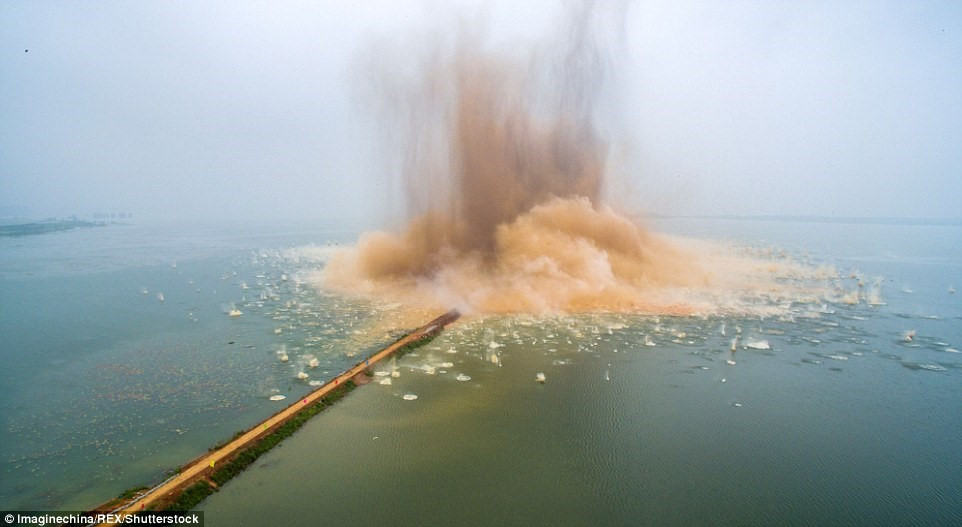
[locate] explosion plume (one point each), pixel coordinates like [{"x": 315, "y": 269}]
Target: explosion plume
[{"x": 503, "y": 168}]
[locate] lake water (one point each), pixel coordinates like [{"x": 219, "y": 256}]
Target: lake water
[{"x": 827, "y": 416}]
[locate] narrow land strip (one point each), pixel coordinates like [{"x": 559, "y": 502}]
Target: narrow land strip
[{"x": 202, "y": 467}]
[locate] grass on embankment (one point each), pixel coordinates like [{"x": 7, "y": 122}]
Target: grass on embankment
[
  {"x": 193, "y": 495},
  {"x": 196, "y": 493}
]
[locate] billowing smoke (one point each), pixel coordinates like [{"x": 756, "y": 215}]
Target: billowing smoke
[{"x": 503, "y": 168}]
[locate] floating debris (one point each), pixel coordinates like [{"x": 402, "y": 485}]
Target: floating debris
[
  {"x": 932, "y": 367},
  {"x": 235, "y": 313},
  {"x": 758, "y": 345},
  {"x": 851, "y": 298},
  {"x": 539, "y": 377},
  {"x": 385, "y": 381},
  {"x": 313, "y": 363},
  {"x": 837, "y": 357},
  {"x": 302, "y": 376},
  {"x": 409, "y": 397},
  {"x": 875, "y": 299},
  {"x": 315, "y": 383},
  {"x": 278, "y": 397},
  {"x": 463, "y": 378},
  {"x": 160, "y": 296},
  {"x": 908, "y": 335}
]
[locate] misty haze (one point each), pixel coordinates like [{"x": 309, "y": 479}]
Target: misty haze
[{"x": 472, "y": 262}]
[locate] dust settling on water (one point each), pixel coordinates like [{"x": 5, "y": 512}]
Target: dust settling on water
[{"x": 503, "y": 168}]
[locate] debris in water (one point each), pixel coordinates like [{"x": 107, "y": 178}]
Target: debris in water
[
  {"x": 539, "y": 377},
  {"x": 758, "y": 345},
  {"x": 409, "y": 397},
  {"x": 302, "y": 376},
  {"x": 908, "y": 335},
  {"x": 385, "y": 381},
  {"x": 462, "y": 377},
  {"x": 851, "y": 298},
  {"x": 278, "y": 397},
  {"x": 235, "y": 313}
]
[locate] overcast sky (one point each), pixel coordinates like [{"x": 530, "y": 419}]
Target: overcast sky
[{"x": 252, "y": 109}]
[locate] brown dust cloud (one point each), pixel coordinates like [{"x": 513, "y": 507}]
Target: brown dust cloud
[{"x": 503, "y": 170}]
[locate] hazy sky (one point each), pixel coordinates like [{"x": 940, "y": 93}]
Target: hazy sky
[{"x": 254, "y": 108}]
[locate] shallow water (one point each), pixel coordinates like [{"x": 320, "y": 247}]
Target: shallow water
[
  {"x": 104, "y": 386},
  {"x": 841, "y": 420}
]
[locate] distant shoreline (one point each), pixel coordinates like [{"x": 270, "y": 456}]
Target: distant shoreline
[{"x": 44, "y": 227}]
